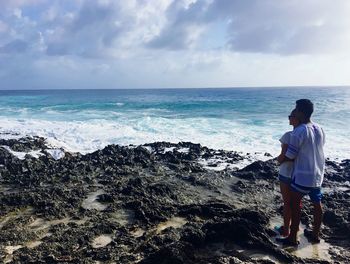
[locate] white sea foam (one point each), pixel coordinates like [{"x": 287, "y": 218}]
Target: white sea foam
[
  {"x": 56, "y": 153},
  {"x": 183, "y": 150},
  {"x": 149, "y": 149},
  {"x": 10, "y": 135},
  {"x": 216, "y": 163},
  {"x": 171, "y": 149},
  {"x": 21, "y": 155},
  {"x": 90, "y": 135}
]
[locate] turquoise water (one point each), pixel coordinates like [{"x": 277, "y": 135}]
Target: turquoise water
[{"x": 243, "y": 119}]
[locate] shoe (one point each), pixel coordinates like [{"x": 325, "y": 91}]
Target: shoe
[
  {"x": 310, "y": 236},
  {"x": 286, "y": 242},
  {"x": 279, "y": 229}
]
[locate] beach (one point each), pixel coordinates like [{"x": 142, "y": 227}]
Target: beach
[{"x": 155, "y": 203}]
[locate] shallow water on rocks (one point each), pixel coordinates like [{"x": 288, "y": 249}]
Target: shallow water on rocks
[
  {"x": 232, "y": 249},
  {"x": 4, "y": 220},
  {"x": 258, "y": 255},
  {"x": 101, "y": 241},
  {"x": 124, "y": 217},
  {"x": 138, "y": 232},
  {"x": 91, "y": 203},
  {"x": 40, "y": 224},
  {"x": 17, "y": 214},
  {"x": 175, "y": 222},
  {"x": 305, "y": 249},
  {"x": 33, "y": 244},
  {"x": 315, "y": 251},
  {"x": 9, "y": 252}
]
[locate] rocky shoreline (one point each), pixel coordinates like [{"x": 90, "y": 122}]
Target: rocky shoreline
[{"x": 155, "y": 203}]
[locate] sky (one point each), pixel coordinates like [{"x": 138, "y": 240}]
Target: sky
[{"x": 105, "y": 44}]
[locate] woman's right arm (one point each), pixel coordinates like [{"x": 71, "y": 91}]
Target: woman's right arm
[{"x": 281, "y": 157}]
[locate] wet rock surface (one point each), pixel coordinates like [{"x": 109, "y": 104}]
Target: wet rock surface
[{"x": 156, "y": 203}]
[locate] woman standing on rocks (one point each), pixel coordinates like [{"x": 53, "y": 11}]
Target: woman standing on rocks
[{"x": 285, "y": 176}]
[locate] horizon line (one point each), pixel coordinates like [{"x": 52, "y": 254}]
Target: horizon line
[{"x": 185, "y": 88}]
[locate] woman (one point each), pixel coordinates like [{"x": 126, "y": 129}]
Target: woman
[{"x": 285, "y": 176}]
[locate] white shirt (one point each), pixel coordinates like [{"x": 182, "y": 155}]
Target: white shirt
[
  {"x": 306, "y": 148},
  {"x": 286, "y": 168}
]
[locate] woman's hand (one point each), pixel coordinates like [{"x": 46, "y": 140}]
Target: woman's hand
[{"x": 281, "y": 158}]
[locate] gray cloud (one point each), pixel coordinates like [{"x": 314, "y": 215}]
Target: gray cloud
[
  {"x": 175, "y": 38},
  {"x": 282, "y": 27},
  {"x": 93, "y": 28},
  {"x": 177, "y": 33},
  {"x": 18, "y": 3},
  {"x": 286, "y": 27},
  {"x": 227, "y": 39},
  {"x": 15, "y": 46}
]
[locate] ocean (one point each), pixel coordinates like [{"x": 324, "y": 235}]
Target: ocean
[{"x": 248, "y": 120}]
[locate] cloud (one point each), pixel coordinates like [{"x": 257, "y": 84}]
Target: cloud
[
  {"x": 3, "y": 27},
  {"x": 19, "y": 3},
  {"x": 169, "y": 43},
  {"x": 185, "y": 24},
  {"x": 281, "y": 27},
  {"x": 15, "y": 46},
  {"x": 286, "y": 27},
  {"x": 87, "y": 33},
  {"x": 106, "y": 28}
]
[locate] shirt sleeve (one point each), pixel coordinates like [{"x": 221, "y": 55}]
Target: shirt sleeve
[
  {"x": 285, "y": 138},
  {"x": 296, "y": 141}
]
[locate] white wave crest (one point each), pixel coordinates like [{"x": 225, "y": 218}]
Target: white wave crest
[{"x": 90, "y": 135}]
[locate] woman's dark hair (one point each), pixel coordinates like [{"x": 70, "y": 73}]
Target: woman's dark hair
[{"x": 305, "y": 106}]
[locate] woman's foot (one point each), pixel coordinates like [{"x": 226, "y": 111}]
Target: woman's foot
[
  {"x": 278, "y": 229},
  {"x": 287, "y": 242},
  {"x": 309, "y": 234},
  {"x": 281, "y": 231}
]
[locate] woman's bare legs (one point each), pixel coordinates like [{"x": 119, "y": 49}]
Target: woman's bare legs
[
  {"x": 318, "y": 214},
  {"x": 296, "y": 198},
  {"x": 287, "y": 211}
]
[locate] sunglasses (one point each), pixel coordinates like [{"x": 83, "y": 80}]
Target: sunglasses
[{"x": 290, "y": 116}]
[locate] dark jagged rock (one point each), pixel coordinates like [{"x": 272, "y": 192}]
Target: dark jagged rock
[
  {"x": 155, "y": 203},
  {"x": 259, "y": 170},
  {"x": 25, "y": 144}
]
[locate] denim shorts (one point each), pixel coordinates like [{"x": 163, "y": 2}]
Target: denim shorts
[
  {"x": 285, "y": 179},
  {"x": 314, "y": 193}
]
